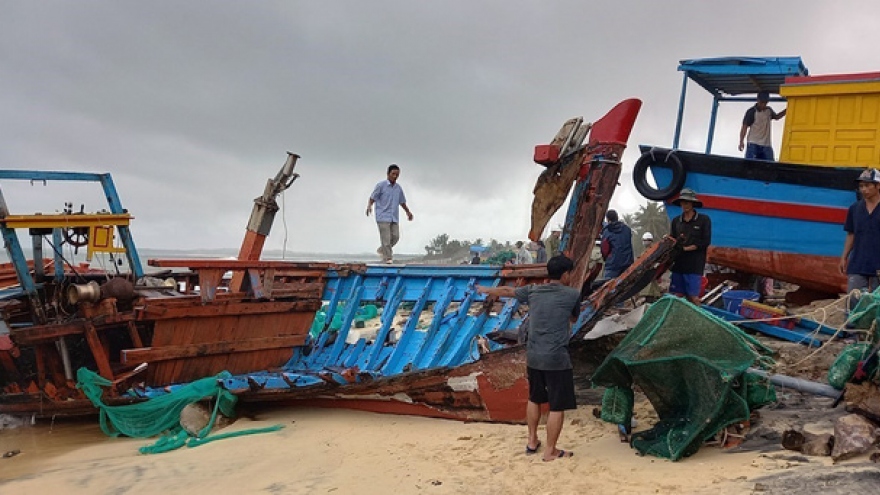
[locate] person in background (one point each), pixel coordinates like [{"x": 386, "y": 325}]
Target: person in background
[
  {"x": 476, "y": 259},
  {"x": 860, "y": 260},
  {"x": 693, "y": 232},
  {"x": 552, "y": 243},
  {"x": 652, "y": 291},
  {"x": 523, "y": 255},
  {"x": 541, "y": 256},
  {"x": 616, "y": 245},
  {"x": 552, "y": 308},
  {"x": 389, "y": 198},
  {"x": 756, "y": 123}
]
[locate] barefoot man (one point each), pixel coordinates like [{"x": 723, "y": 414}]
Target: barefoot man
[{"x": 552, "y": 306}]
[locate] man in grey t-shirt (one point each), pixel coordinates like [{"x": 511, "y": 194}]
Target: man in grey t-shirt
[{"x": 552, "y": 306}]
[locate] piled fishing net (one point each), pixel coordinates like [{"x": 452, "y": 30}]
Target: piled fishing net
[
  {"x": 691, "y": 366},
  {"x": 161, "y": 415},
  {"x": 864, "y": 316},
  {"x": 866, "y": 312}
]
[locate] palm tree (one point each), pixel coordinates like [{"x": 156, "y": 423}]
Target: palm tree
[{"x": 651, "y": 218}]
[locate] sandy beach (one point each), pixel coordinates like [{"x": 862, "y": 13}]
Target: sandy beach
[
  {"x": 342, "y": 451},
  {"x": 339, "y": 451}
]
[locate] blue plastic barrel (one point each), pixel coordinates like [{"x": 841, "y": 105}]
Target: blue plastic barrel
[{"x": 733, "y": 299}]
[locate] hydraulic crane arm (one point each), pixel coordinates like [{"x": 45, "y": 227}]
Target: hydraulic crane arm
[{"x": 264, "y": 211}]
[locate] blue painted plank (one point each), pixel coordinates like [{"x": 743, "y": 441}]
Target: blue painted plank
[
  {"x": 451, "y": 329},
  {"x": 439, "y": 311},
  {"x": 388, "y": 314},
  {"x": 357, "y": 351},
  {"x": 351, "y": 306},
  {"x": 383, "y": 286},
  {"x": 394, "y": 364},
  {"x": 461, "y": 351},
  {"x": 773, "y": 331}
]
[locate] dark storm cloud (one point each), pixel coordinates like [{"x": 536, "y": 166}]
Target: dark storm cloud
[{"x": 192, "y": 105}]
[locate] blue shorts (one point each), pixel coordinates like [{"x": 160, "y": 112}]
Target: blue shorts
[
  {"x": 758, "y": 152},
  {"x": 689, "y": 284}
]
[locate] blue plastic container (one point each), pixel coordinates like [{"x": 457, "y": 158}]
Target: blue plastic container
[{"x": 733, "y": 299}]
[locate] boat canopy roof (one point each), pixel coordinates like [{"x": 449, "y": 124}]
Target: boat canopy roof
[
  {"x": 728, "y": 78},
  {"x": 742, "y": 75}
]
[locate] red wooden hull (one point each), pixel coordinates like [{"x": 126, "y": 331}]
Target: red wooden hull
[
  {"x": 800, "y": 269},
  {"x": 493, "y": 389}
]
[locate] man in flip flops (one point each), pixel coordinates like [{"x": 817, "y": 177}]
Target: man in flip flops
[{"x": 552, "y": 307}]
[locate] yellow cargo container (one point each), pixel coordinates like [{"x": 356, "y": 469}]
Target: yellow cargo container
[{"x": 832, "y": 120}]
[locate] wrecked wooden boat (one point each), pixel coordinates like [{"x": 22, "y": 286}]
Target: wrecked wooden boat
[
  {"x": 777, "y": 219},
  {"x": 284, "y": 331}
]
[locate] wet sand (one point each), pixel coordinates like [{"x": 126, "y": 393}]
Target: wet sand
[{"x": 338, "y": 451}]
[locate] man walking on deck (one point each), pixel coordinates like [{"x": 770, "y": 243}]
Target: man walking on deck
[
  {"x": 693, "y": 232},
  {"x": 552, "y": 307},
  {"x": 860, "y": 260},
  {"x": 388, "y": 197},
  {"x": 757, "y": 123}
]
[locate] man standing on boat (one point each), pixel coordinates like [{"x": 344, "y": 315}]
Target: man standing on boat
[
  {"x": 693, "y": 231},
  {"x": 860, "y": 260},
  {"x": 552, "y": 308},
  {"x": 389, "y": 198},
  {"x": 616, "y": 245},
  {"x": 757, "y": 123}
]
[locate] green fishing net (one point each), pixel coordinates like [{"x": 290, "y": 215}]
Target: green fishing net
[
  {"x": 866, "y": 312},
  {"x": 691, "y": 366},
  {"x": 161, "y": 415}
]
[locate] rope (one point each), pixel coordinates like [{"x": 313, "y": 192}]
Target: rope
[
  {"x": 841, "y": 328},
  {"x": 665, "y": 158}
]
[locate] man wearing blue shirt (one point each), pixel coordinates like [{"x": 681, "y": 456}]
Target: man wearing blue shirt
[
  {"x": 860, "y": 260},
  {"x": 388, "y": 197},
  {"x": 617, "y": 241}
]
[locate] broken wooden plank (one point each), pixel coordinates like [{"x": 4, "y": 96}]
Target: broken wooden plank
[
  {"x": 98, "y": 352},
  {"x": 152, "y": 354},
  {"x": 153, "y": 312}
]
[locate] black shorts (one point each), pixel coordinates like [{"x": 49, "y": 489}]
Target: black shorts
[{"x": 555, "y": 387}]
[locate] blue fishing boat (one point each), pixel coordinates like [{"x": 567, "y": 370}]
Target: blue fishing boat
[
  {"x": 776, "y": 219},
  {"x": 407, "y": 339}
]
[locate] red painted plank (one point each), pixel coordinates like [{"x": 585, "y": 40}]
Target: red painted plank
[{"x": 776, "y": 209}]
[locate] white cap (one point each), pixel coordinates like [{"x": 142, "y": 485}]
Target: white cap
[{"x": 647, "y": 236}]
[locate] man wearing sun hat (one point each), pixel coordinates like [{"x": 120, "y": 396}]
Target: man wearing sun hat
[
  {"x": 860, "y": 260},
  {"x": 693, "y": 231}
]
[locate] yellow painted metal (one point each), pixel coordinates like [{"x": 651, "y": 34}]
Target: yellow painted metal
[
  {"x": 832, "y": 123},
  {"x": 101, "y": 241},
  {"x": 65, "y": 221}
]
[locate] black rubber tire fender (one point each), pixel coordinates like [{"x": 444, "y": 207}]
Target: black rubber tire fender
[{"x": 640, "y": 173}]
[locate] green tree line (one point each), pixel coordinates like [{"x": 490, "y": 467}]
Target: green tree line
[{"x": 648, "y": 218}]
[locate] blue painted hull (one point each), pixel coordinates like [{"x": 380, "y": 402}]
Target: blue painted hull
[{"x": 773, "y": 219}]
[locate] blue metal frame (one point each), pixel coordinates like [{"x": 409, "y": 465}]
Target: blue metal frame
[
  {"x": 734, "y": 76},
  {"x": 17, "y": 255}
]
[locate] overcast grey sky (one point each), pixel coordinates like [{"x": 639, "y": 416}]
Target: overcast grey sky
[{"x": 192, "y": 105}]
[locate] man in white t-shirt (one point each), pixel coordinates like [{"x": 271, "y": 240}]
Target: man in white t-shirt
[{"x": 756, "y": 123}]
